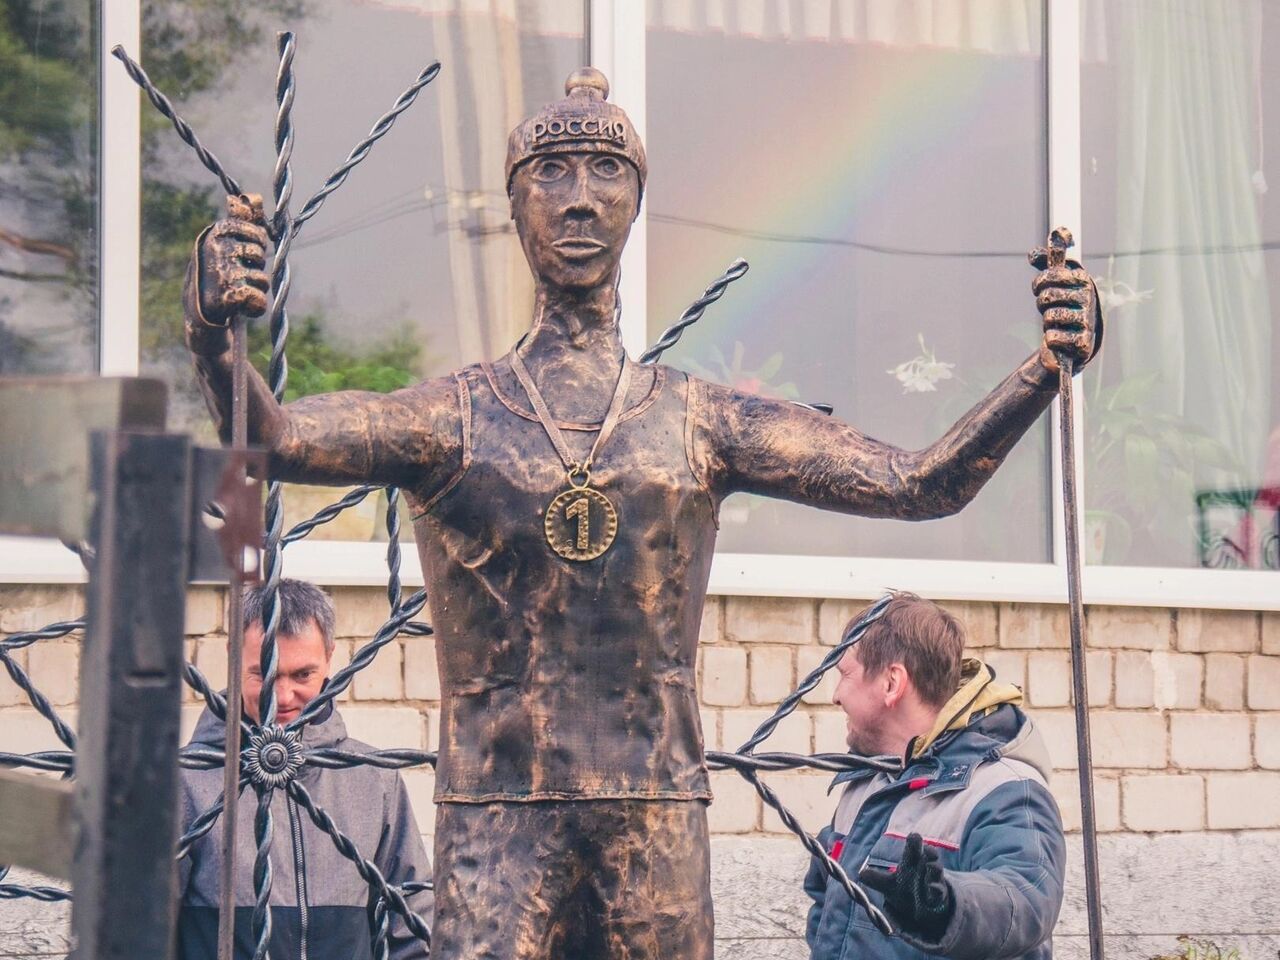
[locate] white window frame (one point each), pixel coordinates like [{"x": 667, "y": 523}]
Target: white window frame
[{"x": 617, "y": 43}]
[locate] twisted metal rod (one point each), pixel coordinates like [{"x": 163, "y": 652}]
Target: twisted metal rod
[
  {"x": 201, "y": 757},
  {"x": 202, "y": 824},
  {"x": 269, "y": 661},
  {"x": 393, "y": 548},
  {"x": 215, "y": 701},
  {"x": 342, "y": 679},
  {"x": 282, "y": 192},
  {"x": 831, "y": 866},
  {"x": 368, "y": 871},
  {"x": 851, "y": 636},
  {"x": 693, "y": 313},
  {"x": 13, "y": 891},
  {"x": 262, "y": 834},
  {"x": 54, "y": 761},
  {"x": 828, "y": 762},
  {"x": 51, "y": 632},
  {"x": 38, "y": 699},
  {"x": 162, "y": 103},
  {"x": 326, "y": 514},
  {"x": 361, "y": 149},
  {"x": 382, "y": 919}
]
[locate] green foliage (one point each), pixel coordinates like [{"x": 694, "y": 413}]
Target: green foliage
[
  {"x": 190, "y": 49},
  {"x": 190, "y": 46},
  {"x": 48, "y": 111},
  {"x": 316, "y": 365},
  {"x": 172, "y": 217},
  {"x": 46, "y": 86}
]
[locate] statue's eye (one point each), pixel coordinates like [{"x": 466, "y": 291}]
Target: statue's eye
[
  {"x": 607, "y": 166},
  {"x": 547, "y": 169}
]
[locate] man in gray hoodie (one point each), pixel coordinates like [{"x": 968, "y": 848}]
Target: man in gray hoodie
[{"x": 320, "y": 907}]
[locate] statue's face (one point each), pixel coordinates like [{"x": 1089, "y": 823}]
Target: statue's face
[{"x": 573, "y": 212}]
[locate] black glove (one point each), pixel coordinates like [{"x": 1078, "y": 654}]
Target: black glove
[{"x": 917, "y": 896}]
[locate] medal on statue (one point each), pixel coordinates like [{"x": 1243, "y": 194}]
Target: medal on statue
[{"x": 580, "y": 523}]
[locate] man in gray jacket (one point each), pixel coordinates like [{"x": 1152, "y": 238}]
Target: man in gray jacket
[
  {"x": 964, "y": 849},
  {"x": 320, "y": 907}
]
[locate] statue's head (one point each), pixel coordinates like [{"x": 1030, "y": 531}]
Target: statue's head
[{"x": 575, "y": 174}]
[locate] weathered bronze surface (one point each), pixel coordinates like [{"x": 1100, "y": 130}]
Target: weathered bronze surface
[
  {"x": 623, "y": 879},
  {"x": 569, "y": 684}
]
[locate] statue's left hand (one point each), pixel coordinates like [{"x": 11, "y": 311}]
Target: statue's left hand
[{"x": 1067, "y": 299}]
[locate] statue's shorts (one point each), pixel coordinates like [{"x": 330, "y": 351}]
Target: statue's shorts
[{"x": 581, "y": 879}]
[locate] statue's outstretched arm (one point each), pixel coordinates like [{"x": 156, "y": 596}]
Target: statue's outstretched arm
[
  {"x": 402, "y": 438},
  {"x": 777, "y": 449}
]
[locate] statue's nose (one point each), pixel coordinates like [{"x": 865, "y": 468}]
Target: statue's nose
[{"x": 582, "y": 201}]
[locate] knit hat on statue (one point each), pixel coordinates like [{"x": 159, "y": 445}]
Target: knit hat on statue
[{"x": 583, "y": 122}]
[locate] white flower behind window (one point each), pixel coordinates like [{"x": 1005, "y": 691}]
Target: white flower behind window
[
  {"x": 1116, "y": 293},
  {"x": 921, "y": 374}
]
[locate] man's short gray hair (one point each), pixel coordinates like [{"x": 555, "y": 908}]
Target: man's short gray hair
[{"x": 301, "y": 604}]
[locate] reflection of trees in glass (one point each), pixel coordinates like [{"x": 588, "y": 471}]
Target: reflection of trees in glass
[
  {"x": 48, "y": 181},
  {"x": 190, "y": 48},
  {"x": 318, "y": 366}
]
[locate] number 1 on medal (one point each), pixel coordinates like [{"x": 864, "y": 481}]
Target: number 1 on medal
[{"x": 581, "y": 509}]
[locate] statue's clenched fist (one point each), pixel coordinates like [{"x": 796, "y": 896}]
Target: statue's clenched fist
[
  {"x": 227, "y": 273},
  {"x": 1068, "y": 303}
]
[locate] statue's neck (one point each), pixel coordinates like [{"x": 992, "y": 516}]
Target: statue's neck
[
  {"x": 574, "y": 345},
  {"x": 574, "y": 350}
]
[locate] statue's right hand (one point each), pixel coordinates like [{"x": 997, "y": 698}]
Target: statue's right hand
[{"x": 230, "y": 261}]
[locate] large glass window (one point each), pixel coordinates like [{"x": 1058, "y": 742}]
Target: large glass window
[
  {"x": 1182, "y": 216},
  {"x": 48, "y": 186},
  {"x": 412, "y": 268},
  {"x": 882, "y": 167}
]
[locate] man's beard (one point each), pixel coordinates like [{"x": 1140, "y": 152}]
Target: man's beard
[{"x": 864, "y": 743}]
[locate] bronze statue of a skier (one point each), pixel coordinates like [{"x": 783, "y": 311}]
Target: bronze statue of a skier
[{"x": 565, "y": 503}]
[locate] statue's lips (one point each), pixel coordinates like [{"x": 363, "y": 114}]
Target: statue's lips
[{"x": 578, "y": 248}]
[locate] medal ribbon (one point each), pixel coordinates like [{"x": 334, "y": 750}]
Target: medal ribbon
[{"x": 556, "y": 435}]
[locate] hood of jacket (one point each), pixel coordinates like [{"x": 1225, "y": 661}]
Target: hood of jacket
[
  {"x": 326, "y": 730},
  {"x": 983, "y": 719},
  {"x": 977, "y": 696}
]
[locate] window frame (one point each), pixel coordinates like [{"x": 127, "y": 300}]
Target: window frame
[{"x": 616, "y": 36}]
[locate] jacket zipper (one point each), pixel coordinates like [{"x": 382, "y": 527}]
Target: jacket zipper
[{"x": 299, "y": 875}]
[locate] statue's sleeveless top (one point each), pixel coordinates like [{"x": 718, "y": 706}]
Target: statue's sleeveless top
[{"x": 564, "y": 679}]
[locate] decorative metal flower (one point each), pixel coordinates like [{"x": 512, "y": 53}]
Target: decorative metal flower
[{"x": 274, "y": 756}]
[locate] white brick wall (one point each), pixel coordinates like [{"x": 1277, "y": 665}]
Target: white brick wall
[
  {"x": 1186, "y": 704},
  {"x": 1185, "y": 722},
  {"x": 770, "y": 620}
]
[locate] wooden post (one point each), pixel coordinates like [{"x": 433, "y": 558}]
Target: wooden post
[{"x": 124, "y": 873}]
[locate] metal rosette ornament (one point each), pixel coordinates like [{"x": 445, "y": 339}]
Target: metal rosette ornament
[{"x": 274, "y": 756}]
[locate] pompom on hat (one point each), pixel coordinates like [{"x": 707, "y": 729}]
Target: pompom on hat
[{"x": 583, "y": 122}]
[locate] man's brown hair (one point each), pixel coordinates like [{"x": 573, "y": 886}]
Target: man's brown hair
[{"x": 921, "y": 636}]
